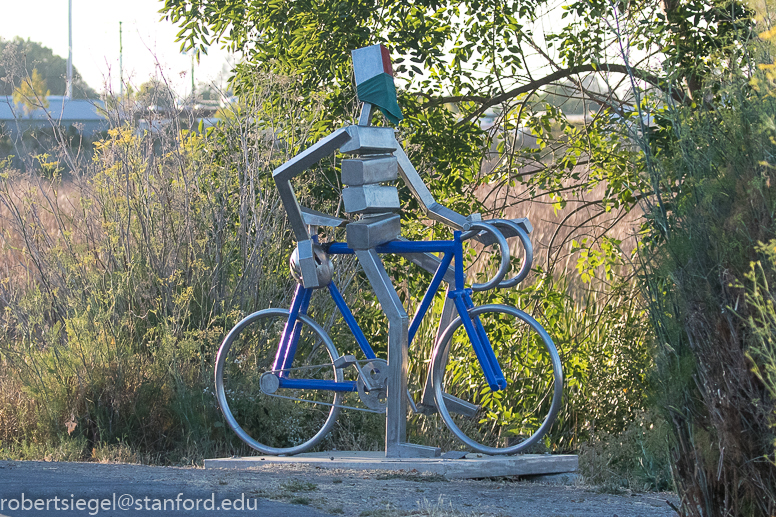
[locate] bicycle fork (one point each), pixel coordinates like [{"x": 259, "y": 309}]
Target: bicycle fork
[
  {"x": 479, "y": 340},
  {"x": 474, "y": 329},
  {"x": 290, "y": 337},
  {"x": 459, "y": 301}
]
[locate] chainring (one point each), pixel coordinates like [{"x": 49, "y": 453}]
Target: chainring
[{"x": 377, "y": 372}]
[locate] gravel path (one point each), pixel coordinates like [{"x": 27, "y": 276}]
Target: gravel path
[{"x": 294, "y": 490}]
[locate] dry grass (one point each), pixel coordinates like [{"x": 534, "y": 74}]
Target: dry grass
[
  {"x": 31, "y": 208},
  {"x": 554, "y": 228},
  {"x": 117, "y": 283},
  {"x": 17, "y": 411}
]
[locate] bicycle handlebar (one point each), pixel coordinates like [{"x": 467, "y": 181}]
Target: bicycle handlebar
[
  {"x": 502, "y": 243},
  {"x": 525, "y": 240},
  {"x": 496, "y": 228}
]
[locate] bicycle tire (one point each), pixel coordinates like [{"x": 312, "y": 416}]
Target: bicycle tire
[
  {"x": 531, "y": 366},
  {"x": 268, "y": 423}
]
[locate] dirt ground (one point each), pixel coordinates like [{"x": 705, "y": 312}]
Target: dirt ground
[
  {"x": 360, "y": 494},
  {"x": 288, "y": 490}
]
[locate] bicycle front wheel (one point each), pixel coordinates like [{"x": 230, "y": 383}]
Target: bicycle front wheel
[
  {"x": 506, "y": 421},
  {"x": 271, "y": 419}
]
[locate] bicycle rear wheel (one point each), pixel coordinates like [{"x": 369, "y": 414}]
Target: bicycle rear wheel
[
  {"x": 506, "y": 421},
  {"x": 276, "y": 420}
]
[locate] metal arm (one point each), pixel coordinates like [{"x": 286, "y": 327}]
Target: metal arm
[
  {"x": 297, "y": 165},
  {"x": 282, "y": 176},
  {"x": 426, "y": 200}
]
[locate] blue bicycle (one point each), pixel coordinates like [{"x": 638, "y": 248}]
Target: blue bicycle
[{"x": 495, "y": 376}]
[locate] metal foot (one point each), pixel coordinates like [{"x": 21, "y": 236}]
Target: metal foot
[
  {"x": 412, "y": 450},
  {"x": 453, "y": 405}
]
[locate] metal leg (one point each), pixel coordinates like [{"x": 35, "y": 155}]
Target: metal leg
[
  {"x": 448, "y": 315},
  {"x": 398, "y": 327}
]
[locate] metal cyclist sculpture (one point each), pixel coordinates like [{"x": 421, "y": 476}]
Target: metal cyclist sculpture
[{"x": 287, "y": 358}]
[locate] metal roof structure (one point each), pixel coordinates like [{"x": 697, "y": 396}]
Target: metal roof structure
[{"x": 86, "y": 115}]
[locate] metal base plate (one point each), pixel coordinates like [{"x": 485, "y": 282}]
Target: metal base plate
[
  {"x": 412, "y": 450},
  {"x": 472, "y": 466}
]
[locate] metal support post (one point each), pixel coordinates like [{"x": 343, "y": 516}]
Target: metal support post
[
  {"x": 398, "y": 327},
  {"x": 396, "y": 445}
]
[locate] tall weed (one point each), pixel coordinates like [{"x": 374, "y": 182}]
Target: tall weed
[
  {"x": 122, "y": 277},
  {"x": 713, "y": 203},
  {"x": 761, "y": 322}
]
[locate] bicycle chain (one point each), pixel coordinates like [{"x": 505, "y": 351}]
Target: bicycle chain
[{"x": 373, "y": 403}]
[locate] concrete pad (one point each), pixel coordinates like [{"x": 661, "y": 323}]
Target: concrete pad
[{"x": 472, "y": 466}]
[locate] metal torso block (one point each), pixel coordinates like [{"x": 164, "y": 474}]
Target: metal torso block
[
  {"x": 369, "y": 170},
  {"x": 371, "y": 199},
  {"x": 370, "y": 140},
  {"x": 370, "y": 232}
]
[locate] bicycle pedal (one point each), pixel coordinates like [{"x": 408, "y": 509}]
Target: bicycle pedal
[{"x": 344, "y": 361}]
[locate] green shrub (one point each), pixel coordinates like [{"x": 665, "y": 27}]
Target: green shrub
[
  {"x": 636, "y": 458},
  {"x": 714, "y": 200}
]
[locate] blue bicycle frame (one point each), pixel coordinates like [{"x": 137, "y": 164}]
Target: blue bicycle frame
[{"x": 452, "y": 250}]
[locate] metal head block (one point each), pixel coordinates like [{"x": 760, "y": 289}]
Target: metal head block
[
  {"x": 370, "y": 199},
  {"x": 371, "y": 61},
  {"x": 370, "y": 232},
  {"x": 369, "y": 170},
  {"x": 370, "y": 140}
]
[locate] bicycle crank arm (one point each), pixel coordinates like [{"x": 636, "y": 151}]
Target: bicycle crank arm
[{"x": 347, "y": 360}]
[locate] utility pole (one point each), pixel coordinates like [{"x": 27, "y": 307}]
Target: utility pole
[
  {"x": 193, "y": 97},
  {"x": 121, "y": 63},
  {"x": 69, "y": 89}
]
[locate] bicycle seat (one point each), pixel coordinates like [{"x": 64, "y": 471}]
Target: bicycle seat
[{"x": 315, "y": 218}]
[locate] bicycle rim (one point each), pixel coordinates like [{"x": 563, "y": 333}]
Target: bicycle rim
[
  {"x": 506, "y": 421},
  {"x": 277, "y": 423}
]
